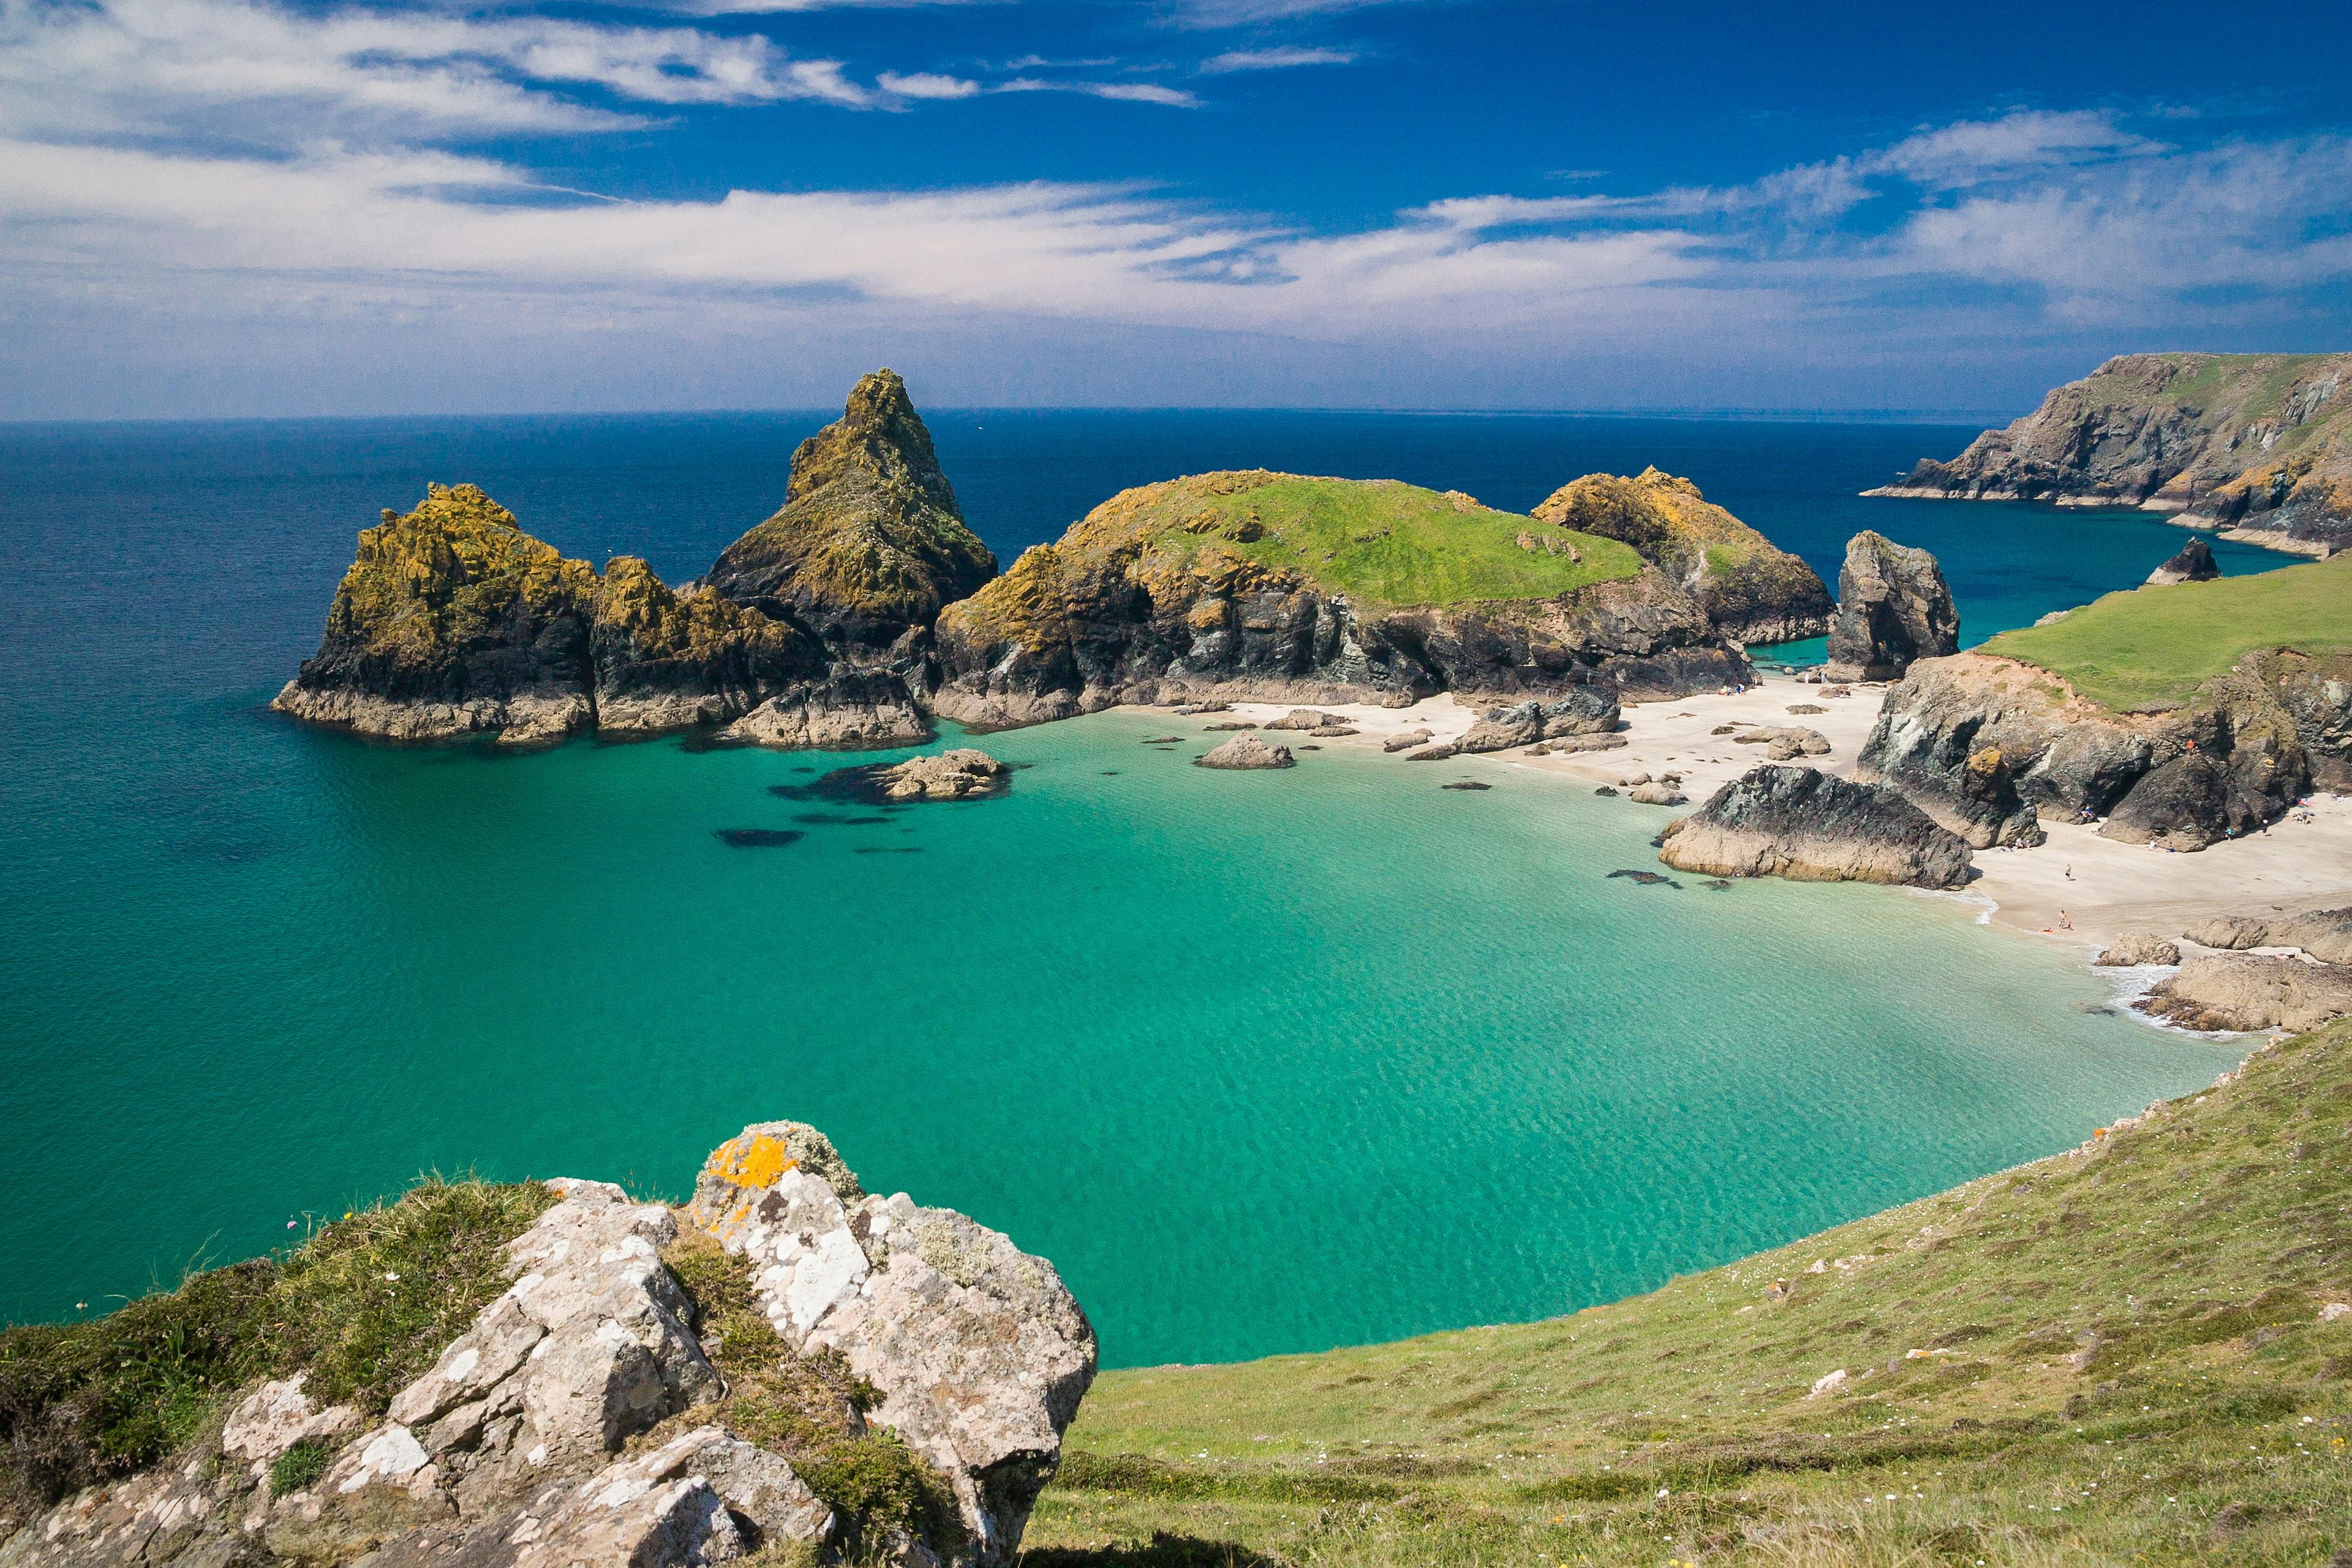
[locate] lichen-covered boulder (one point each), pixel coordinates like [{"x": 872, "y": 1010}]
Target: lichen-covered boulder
[
  {"x": 1893, "y": 607},
  {"x": 870, "y": 542},
  {"x": 1814, "y": 827},
  {"x": 979, "y": 1353}
]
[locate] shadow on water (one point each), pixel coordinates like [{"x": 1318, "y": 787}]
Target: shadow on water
[{"x": 758, "y": 837}]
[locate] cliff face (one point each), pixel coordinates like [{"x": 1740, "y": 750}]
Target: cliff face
[
  {"x": 869, "y": 543},
  {"x": 452, "y": 620},
  {"x": 1985, "y": 745},
  {"x": 1894, "y": 606},
  {"x": 1752, "y": 591},
  {"x": 2258, "y": 445},
  {"x": 1263, "y": 585}
]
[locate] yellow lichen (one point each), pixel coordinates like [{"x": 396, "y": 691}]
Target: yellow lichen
[{"x": 752, "y": 1160}]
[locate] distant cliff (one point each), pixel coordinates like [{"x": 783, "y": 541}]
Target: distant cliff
[{"x": 2258, "y": 445}]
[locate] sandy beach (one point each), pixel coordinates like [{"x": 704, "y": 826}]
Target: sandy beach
[{"x": 2101, "y": 887}]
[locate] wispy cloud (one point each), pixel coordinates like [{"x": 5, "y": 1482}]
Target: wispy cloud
[
  {"x": 1283, "y": 59},
  {"x": 1121, "y": 91}
]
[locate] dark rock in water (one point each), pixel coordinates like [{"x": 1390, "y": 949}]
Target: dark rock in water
[
  {"x": 1165, "y": 741},
  {"x": 1229, "y": 724},
  {"x": 1893, "y": 607},
  {"x": 959, "y": 775},
  {"x": 2194, "y": 563},
  {"x": 1749, "y": 589},
  {"x": 826, "y": 818},
  {"x": 1646, "y": 878},
  {"x": 1715, "y": 885},
  {"x": 759, "y": 837},
  {"x": 1244, "y": 753},
  {"x": 1467, "y": 784},
  {"x": 1605, "y": 790},
  {"x": 1986, "y": 745},
  {"x": 870, "y": 542},
  {"x": 1111, "y": 773},
  {"x": 1813, "y": 826}
]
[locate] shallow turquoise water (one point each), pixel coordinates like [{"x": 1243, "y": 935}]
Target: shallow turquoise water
[{"x": 1263, "y": 1062}]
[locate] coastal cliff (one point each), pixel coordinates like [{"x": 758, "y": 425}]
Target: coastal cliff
[
  {"x": 1258, "y": 585},
  {"x": 2257, "y": 444},
  {"x": 554, "y": 1373},
  {"x": 810, "y": 632},
  {"x": 1751, "y": 590}
]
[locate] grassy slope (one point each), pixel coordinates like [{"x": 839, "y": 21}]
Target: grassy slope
[
  {"x": 2150, "y": 643},
  {"x": 1380, "y": 541},
  {"x": 2130, "y": 1369}
]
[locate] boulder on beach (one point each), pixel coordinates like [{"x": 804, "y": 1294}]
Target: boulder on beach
[
  {"x": 1585, "y": 710},
  {"x": 1308, "y": 719},
  {"x": 1406, "y": 742},
  {"x": 2134, "y": 948},
  {"x": 1658, "y": 794},
  {"x": 1244, "y": 752},
  {"x": 1814, "y": 827}
]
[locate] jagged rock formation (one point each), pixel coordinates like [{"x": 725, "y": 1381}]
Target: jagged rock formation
[
  {"x": 956, "y": 774},
  {"x": 1255, "y": 584},
  {"x": 1752, "y": 591},
  {"x": 2193, "y": 564},
  {"x": 580, "y": 1420},
  {"x": 811, "y": 633},
  {"x": 1584, "y": 711},
  {"x": 453, "y": 620},
  {"x": 1985, "y": 745},
  {"x": 2254, "y": 992},
  {"x": 1245, "y": 753},
  {"x": 2326, "y": 934},
  {"x": 1894, "y": 606},
  {"x": 1813, "y": 826},
  {"x": 869, "y": 544},
  {"x": 2257, "y": 444}
]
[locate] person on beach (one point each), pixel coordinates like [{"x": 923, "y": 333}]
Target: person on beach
[{"x": 2064, "y": 922}]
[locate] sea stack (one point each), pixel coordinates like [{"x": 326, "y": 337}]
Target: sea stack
[
  {"x": 1894, "y": 606},
  {"x": 2194, "y": 563},
  {"x": 870, "y": 542}
]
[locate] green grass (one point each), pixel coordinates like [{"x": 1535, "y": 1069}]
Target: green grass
[
  {"x": 2219, "y": 374},
  {"x": 364, "y": 1306},
  {"x": 1380, "y": 541},
  {"x": 2206, "y": 1415},
  {"x": 2151, "y": 644}
]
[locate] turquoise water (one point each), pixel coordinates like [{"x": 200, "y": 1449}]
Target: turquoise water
[{"x": 1264, "y": 1062}]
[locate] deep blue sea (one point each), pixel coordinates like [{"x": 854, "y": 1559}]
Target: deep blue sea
[{"x": 1264, "y": 1062}]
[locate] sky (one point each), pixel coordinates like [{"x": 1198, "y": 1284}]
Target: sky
[{"x": 241, "y": 208}]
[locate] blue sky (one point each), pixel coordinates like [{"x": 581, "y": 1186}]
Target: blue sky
[{"x": 244, "y": 206}]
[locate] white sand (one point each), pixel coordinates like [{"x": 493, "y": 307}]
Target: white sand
[{"x": 2105, "y": 887}]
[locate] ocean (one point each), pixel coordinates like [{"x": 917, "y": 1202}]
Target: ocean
[{"x": 1264, "y": 1063}]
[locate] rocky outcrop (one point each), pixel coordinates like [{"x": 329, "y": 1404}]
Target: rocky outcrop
[
  {"x": 1893, "y": 607},
  {"x": 1584, "y": 711},
  {"x": 978, "y": 1353},
  {"x": 1813, "y": 826},
  {"x": 2252, "y": 993},
  {"x": 2193, "y": 564},
  {"x": 1987, "y": 746},
  {"x": 1245, "y": 752},
  {"x": 870, "y": 544},
  {"x": 1784, "y": 742},
  {"x": 452, "y": 620},
  {"x": 2136, "y": 948},
  {"x": 2324, "y": 935},
  {"x": 579, "y": 1419},
  {"x": 957, "y": 775},
  {"x": 667, "y": 659},
  {"x": 1275, "y": 587},
  {"x": 2257, "y": 444},
  {"x": 1752, "y": 591}
]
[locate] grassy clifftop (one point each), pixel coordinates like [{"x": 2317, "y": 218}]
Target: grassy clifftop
[
  {"x": 2157, "y": 643},
  {"x": 2113, "y": 1356}
]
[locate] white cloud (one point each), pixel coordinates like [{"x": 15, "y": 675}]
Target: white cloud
[
  {"x": 1284, "y": 59},
  {"x": 1975, "y": 150},
  {"x": 926, "y": 85},
  {"x": 1121, "y": 91}
]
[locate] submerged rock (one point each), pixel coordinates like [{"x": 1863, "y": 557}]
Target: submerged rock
[
  {"x": 1893, "y": 607},
  {"x": 1244, "y": 752},
  {"x": 2210, "y": 991},
  {"x": 1814, "y": 827}
]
